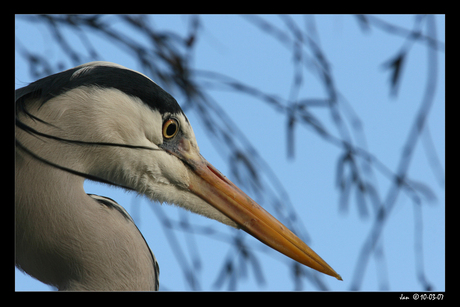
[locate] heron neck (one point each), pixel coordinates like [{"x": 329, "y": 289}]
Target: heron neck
[
  {"x": 45, "y": 199},
  {"x": 42, "y": 188},
  {"x": 66, "y": 239}
]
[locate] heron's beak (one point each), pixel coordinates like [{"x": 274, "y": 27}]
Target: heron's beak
[{"x": 210, "y": 185}]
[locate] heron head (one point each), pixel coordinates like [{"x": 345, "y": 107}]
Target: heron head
[{"x": 116, "y": 125}]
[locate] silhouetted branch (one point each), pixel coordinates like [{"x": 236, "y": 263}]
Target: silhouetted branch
[{"x": 402, "y": 169}]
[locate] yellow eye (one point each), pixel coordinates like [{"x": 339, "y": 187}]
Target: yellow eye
[{"x": 170, "y": 128}]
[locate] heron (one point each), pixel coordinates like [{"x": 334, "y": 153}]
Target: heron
[{"x": 104, "y": 122}]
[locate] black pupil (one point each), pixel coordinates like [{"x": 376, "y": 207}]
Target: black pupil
[{"x": 171, "y": 129}]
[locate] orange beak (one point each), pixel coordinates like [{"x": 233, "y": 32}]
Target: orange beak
[{"x": 213, "y": 187}]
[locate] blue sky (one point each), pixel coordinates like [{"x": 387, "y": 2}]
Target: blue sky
[{"x": 234, "y": 47}]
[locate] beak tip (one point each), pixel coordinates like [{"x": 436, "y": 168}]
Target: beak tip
[{"x": 210, "y": 185}]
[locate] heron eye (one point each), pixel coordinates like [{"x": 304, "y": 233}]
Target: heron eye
[{"x": 170, "y": 128}]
